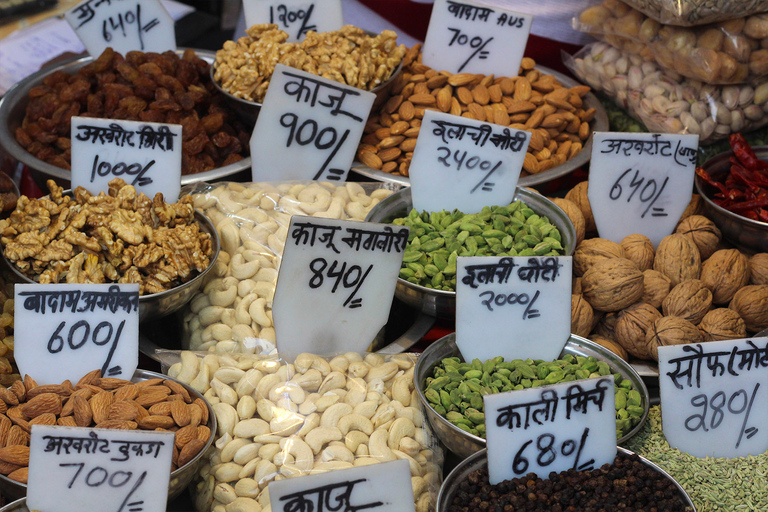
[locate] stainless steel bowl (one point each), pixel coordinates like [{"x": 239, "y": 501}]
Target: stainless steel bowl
[
  {"x": 442, "y": 303},
  {"x": 463, "y": 443},
  {"x": 745, "y": 233},
  {"x": 14, "y": 105},
  {"x": 154, "y": 305},
  {"x": 180, "y": 478},
  {"x": 479, "y": 460}
]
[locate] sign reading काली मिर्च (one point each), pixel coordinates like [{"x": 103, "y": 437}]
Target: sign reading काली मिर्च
[
  {"x": 77, "y": 328},
  {"x": 713, "y": 397},
  {"x": 339, "y": 277},
  {"x": 145, "y": 155},
  {"x": 125, "y": 25},
  {"x": 517, "y": 307},
  {"x": 640, "y": 182},
  {"x": 72, "y": 469},
  {"x": 470, "y": 37},
  {"x": 361, "y": 488},
  {"x": 308, "y": 127},
  {"x": 464, "y": 163},
  {"x": 571, "y": 425},
  {"x": 295, "y": 17}
]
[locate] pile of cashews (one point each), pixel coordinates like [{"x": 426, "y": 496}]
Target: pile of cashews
[
  {"x": 278, "y": 420},
  {"x": 235, "y": 306}
]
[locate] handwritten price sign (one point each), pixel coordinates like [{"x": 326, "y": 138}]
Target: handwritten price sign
[{"x": 296, "y": 17}]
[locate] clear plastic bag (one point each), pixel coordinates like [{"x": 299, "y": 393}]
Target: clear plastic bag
[
  {"x": 730, "y": 52},
  {"x": 697, "y": 12}
]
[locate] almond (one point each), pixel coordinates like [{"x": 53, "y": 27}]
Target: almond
[
  {"x": 396, "y": 129},
  {"x": 141, "y": 411},
  {"x": 100, "y": 404},
  {"x": 480, "y": 95},
  {"x": 522, "y": 90},
  {"x": 477, "y": 111},
  {"x": 48, "y": 388},
  {"x": 437, "y": 81},
  {"x": 29, "y": 382},
  {"x": 122, "y": 410},
  {"x": 110, "y": 383},
  {"x": 3, "y": 407},
  {"x": 390, "y": 142},
  {"x": 393, "y": 103},
  {"x": 203, "y": 408},
  {"x": 150, "y": 396},
  {"x": 460, "y": 79},
  {"x": 552, "y": 121},
  {"x": 89, "y": 378},
  {"x": 370, "y": 159},
  {"x": 66, "y": 421},
  {"x": 190, "y": 450},
  {"x": 161, "y": 409},
  {"x": 185, "y": 435},
  {"x": 47, "y": 418},
  {"x": 464, "y": 96},
  {"x": 203, "y": 433},
  {"x": 20, "y": 475},
  {"x": 17, "y": 417},
  {"x": 41, "y": 404},
  {"x": 117, "y": 424},
  {"x": 408, "y": 145},
  {"x": 5, "y": 428},
  {"x": 16, "y": 454},
  {"x": 81, "y": 411},
  {"x": 8, "y": 396},
  {"x": 7, "y": 468},
  {"x": 530, "y": 164},
  {"x": 455, "y": 107},
  {"x": 195, "y": 414},
  {"x": 495, "y": 93},
  {"x": 382, "y": 133},
  {"x": 387, "y": 167},
  {"x": 444, "y": 98},
  {"x": 390, "y": 154},
  {"x": 406, "y": 111},
  {"x": 19, "y": 390},
  {"x": 180, "y": 413},
  {"x": 152, "y": 422},
  {"x": 149, "y": 383},
  {"x": 17, "y": 435}
]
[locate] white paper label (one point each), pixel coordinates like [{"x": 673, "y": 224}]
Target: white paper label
[
  {"x": 469, "y": 37},
  {"x": 564, "y": 426},
  {"x": 125, "y": 25},
  {"x": 384, "y": 487},
  {"x": 296, "y": 17},
  {"x": 713, "y": 397},
  {"x": 72, "y": 469},
  {"x": 145, "y": 155},
  {"x": 338, "y": 277},
  {"x": 67, "y": 330},
  {"x": 640, "y": 182},
  {"x": 464, "y": 163},
  {"x": 517, "y": 307},
  {"x": 308, "y": 127}
]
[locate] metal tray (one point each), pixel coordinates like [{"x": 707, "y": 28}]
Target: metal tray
[{"x": 599, "y": 124}]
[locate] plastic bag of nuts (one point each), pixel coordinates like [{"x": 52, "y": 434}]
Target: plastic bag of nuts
[
  {"x": 729, "y": 52},
  {"x": 234, "y": 308},
  {"x": 667, "y": 102},
  {"x": 278, "y": 420},
  {"x": 697, "y": 12}
]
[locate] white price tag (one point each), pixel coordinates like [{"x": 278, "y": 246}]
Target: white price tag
[
  {"x": 308, "y": 127},
  {"x": 571, "y": 425},
  {"x": 713, "y": 397},
  {"x": 339, "y": 277},
  {"x": 296, "y": 17},
  {"x": 72, "y": 469},
  {"x": 464, "y": 163},
  {"x": 640, "y": 182},
  {"x": 73, "y": 329},
  {"x": 384, "y": 487},
  {"x": 127, "y": 25},
  {"x": 145, "y": 155},
  {"x": 517, "y": 307},
  {"x": 469, "y": 37}
]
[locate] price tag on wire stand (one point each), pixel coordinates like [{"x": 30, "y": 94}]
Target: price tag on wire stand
[
  {"x": 571, "y": 425},
  {"x": 464, "y": 163},
  {"x": 470, "y": 37},
  {"x": 640, "y": 182},
  {"x": 713, "y": 397},
  {"x": 67, "y": 330},
  {"x": 72, "y": 469},
  {"x": 145, "y": 155},
  {"x": 127, "y": 25},
  {"x": 361, "y": 488},
  {"x": 517, "y": 307},
  {"x": 296, "y": 17},
  {"x": 308, "y": 127},
  {"x": 339, "y": 277}
]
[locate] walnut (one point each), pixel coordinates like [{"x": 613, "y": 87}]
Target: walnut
[
  {"x": 724, "y": 273},
  {"x": 610, "y": 345},
  {"x": 56, "y": 250},
  {"x": 703, "y": 232},
  {"x": 606, "y": 325},
  {"x": 24, "y": 246},
  {"x": 722, "y": 324},
  {"x": 581, "y": 316},
  {"x": 677, "y": 257},
  {"x": 612, "y": 284},
  {"x": 690, "y": 299},
  {"x": 578, "y": 195},
  {"x": 591, "y": 251},
  {"x": 639, "y": 249},
  {"x": 758, "y": 268},
  {"x": 573, "y": 212},
  {"x": 695, "y": 207},
  {"x": 671, "y": 330},
  {"x": 576, "y": 286},
  {"x": 632, "y": 326},
  {"x": 656, "y": 287},
  {"x": 751, "y": 303}
]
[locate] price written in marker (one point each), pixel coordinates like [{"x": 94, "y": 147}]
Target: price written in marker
[
  {"x": 295, "y": 17},
  {"x": 321, "y": 123},
  {"x": 465, "y": 164},
  {"x": 78, "y": 327},
  {"x": 564, "y": 426},
  {"x": 338, "y": 276},
  {"x": 711, "y": 396},
  {"x": 640, "y": 183},
  {"x": 468, "y": 37}
]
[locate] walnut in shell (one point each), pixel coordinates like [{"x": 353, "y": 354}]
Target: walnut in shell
[
  {"x": 695, "y": 207},
  {"x": 612, "y": 284},
  {"x": 758, "y": 268},
  {"x": 722, "y": 324},
  {"x": 576, "y": 286},
  {"x": 611, "y": 345},
  {"x": 581, "y": 316},
  {"x": 703, "y": 232},
  {"x": 724, "y": 273},
  {"x": 677, "y": 257},
  {"x": 690, "y": 299},
  {"x": 656, "y": 287},
  {"x": 639, "y": 248},
  {"x": 751, "y": 303},
  {"x": 632, "y": 327},
  {"x": 573, "y": 212},
  {"x": 591, "y": 251},
  {"x": 671, "y": 330},
  {"x": 605, "y": 325},
  {"x": 578, "y": 195}
]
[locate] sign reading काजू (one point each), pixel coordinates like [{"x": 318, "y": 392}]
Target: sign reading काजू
[{"x": 295, "y": 17}]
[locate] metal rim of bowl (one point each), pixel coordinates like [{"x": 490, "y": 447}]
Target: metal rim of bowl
[
  {"x": 20, "y": 93},
  {"x": 422, "y": 371}
]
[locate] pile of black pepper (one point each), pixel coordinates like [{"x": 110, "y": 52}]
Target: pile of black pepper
[{"x": 627, "y": 485}]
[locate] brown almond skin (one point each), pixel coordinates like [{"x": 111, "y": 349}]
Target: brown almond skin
[{"x": 190, "y": 450}]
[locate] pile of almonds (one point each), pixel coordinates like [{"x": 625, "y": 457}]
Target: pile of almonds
[
  {"x": 153, "y": 404},
  {"x": 555, "y": 115}
]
